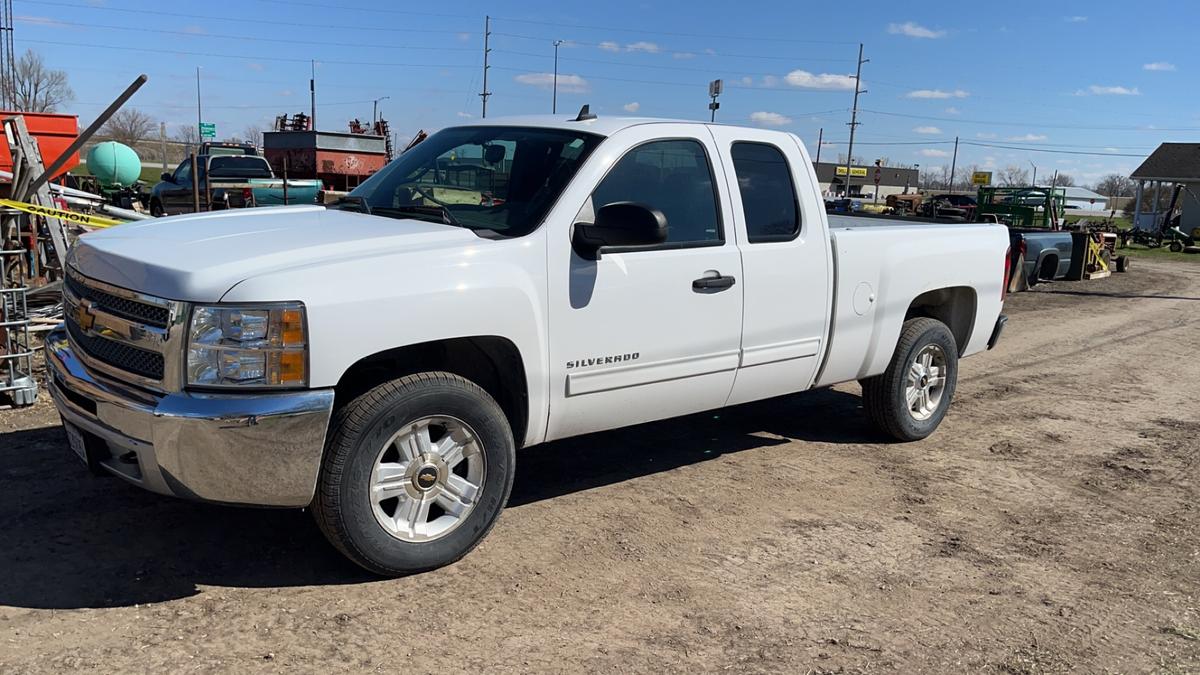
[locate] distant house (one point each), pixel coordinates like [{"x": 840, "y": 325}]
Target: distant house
[
  {"x": 1084, "y": 199},
  {"x": 1171, "y": 163}
]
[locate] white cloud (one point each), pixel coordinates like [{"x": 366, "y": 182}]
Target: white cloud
[
  {"x": 632, "y": 107},
  {"x": 610, "y": 46},
  {"x": 643, "y": 46},
  {"x": 913, "y": 29},
  {"x": 1027, "y": 137},
  {"x": 938, "y": 93},
  {"x": 953, "y": 111},
  {"x": 1159, "y": 65},
  {"x": 464, "y": 37},
  {"x": 769, "y": 119},
  {"x": 985, "y": 134},
  {"x": 1075, "y": 19},
  {"x": 257, "y": 67},
  {"x": 567, "y": 84},
  {"x": 933, "y": 152},
  {"x": 683, "y": 55},
  {"x": 464, "y": 115},
  {"x": 710, "y": 51},
  {"x": 806, "y": 80},
  {"x": 747, "y": 81},
  {"x": 1113, "y": 90},
  {"x": 770, "y": 81},
  {"x": 927, "y": 130}
]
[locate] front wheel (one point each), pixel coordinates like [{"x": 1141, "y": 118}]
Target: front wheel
[
  {"x": 910, "y": 398},
  {"x": 415, "y": 473}
]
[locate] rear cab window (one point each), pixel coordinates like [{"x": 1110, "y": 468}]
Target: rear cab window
[{"x": 769, "y": 203}]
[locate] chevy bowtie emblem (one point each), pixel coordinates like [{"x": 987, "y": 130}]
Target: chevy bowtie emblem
[{"x": 84, "y": 316}]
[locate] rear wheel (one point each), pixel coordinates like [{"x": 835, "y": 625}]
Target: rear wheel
[
  {"x": 910, "y": 398},
  {"x": 415, "y": 474}
]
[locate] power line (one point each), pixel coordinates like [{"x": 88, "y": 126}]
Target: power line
[
  {"x": 624, "y": 64},
  {"x": 1026, "y": 124},
  {"x": 757, "y": 38},
  {"x": 252, "y": 38},
  {"x": 669, "y": 50},
  {"x": 250, "y": 57},
  {"x": 1056, "y": 152},
  {"x": 272, "y": 22}
]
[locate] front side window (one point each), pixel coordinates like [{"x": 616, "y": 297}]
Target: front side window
[
  {"x": 768, "y": 193},
  {"x": 673, "y": 177},
  {"x": 183, "y": 172},
  {"x": 500, "y": 179}
]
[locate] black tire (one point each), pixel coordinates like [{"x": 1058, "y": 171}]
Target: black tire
[
  {"x": 156, "y": 209},
  {"x": 342, "y": 506},
  {"x": 1122, "y": 263},
  {"x": 884, "y": 396},
  {"x": 1176, "y": 246}
]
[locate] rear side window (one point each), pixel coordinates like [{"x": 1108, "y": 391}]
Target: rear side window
[
  {"x": 239, "y": 166},
  {"x": 768, "y": 194},
  {"x": 674, "y": 177}
]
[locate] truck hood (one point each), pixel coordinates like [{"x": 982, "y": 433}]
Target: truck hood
[{"x": 199, "y": 257}]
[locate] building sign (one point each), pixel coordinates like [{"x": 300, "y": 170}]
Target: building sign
[
  {"x": 981, "y": 178},
  {"x": 859, "y": 171},
  {"x": 208, "y": 130}
]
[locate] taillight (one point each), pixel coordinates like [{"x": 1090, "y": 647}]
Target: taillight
[
  {"x": 247, "y": 195},
  {"x": 1007, "y": 268}
]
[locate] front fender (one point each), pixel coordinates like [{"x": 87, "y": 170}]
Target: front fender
[{"x": 363, "y": 306}]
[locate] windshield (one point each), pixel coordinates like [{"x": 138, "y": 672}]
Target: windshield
[
  {"x": 239, "y": 166},
  {"x": 502, "y": 179}
]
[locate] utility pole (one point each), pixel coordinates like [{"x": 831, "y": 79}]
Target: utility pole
[
  {"x": 487, "y": 35},
  {"x": 199, "y": 115},
  {"x": 312, "y": 95},
  {"x": 162, "y": 143},
  {"x": 375, "y": 110},
  {"x": 1034, "y": 171},
  {"x": 953, "y": 163},
  {"x": 854, "y": 115},
  {"x": 554, "y": 102},
  {"x": 820, "y": 137}
]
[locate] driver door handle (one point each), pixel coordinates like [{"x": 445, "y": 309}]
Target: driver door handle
[{"x": 712, "y": 281}]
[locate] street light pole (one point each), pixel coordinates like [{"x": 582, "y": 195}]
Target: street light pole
[
  {"x": 375, "y": 109},
  {"x": 554, "y": 101},
  {"x": 1034, "y": 171},
  {"x": 199, "y": 115}
]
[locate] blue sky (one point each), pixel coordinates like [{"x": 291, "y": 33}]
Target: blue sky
[{"x": 1034, "y": 77}]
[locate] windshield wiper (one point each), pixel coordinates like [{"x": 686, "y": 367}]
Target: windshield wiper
[
  {"x": 439, "y": 211},
  {"x": 360, "y": 202}
]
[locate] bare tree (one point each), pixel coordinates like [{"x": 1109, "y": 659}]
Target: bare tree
[
  {"x": 129, "y": 125},
  {"x": 1012, "y": 175},
  {"x": 1114, "y": 185},
  {"x": 36, "y": 88},
  {"x": 253, "y": 134},
  {"x": 1062, "y": 180},
  {"x": 188, "y": 134}
]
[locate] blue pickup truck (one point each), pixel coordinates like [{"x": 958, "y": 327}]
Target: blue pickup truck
[{"x": 1047, "y": 253}]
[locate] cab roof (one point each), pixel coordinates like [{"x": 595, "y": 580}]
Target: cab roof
[{"x": 603, "y": 125}]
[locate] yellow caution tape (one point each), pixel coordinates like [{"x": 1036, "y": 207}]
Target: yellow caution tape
[{"x": 69, "y": 216}]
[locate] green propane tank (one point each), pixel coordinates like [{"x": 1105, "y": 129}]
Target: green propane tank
[{"x": 114, "y": 164}]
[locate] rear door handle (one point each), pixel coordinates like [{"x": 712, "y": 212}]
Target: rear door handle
[{"x": 712, "y": 282}]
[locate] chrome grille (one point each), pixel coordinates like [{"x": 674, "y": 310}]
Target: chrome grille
[
  {"x": 137, "y": 361},
  {"x": 125, "y": 308},
  {"x": 125, "y": 334}
]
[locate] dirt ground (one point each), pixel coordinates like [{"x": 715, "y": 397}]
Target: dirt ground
[{"x": 1050, "y": 525}]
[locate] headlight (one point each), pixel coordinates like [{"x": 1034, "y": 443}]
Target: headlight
[{"x": 260, "y": 346}]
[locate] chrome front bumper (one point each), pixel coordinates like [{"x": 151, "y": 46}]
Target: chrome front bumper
[{"x": 258, "y": 449}]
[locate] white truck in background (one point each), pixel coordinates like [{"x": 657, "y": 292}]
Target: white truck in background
[{"x": 501, "y": 284}]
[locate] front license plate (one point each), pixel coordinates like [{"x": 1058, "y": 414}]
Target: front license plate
[{"x": 75, "y": 438}]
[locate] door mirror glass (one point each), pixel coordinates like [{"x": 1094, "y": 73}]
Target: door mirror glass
[{"x": 620, "y": 225}]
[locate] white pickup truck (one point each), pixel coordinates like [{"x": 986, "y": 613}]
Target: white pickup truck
[{"x": 499, "y": 285}]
